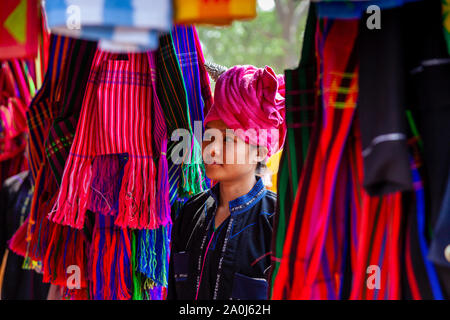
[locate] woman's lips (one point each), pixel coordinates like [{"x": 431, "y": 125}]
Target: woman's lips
[{"x": 214, "y": 163}]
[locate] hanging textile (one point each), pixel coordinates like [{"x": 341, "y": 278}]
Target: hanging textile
[
  {"x": 421, "y": 277},
  {"x": 301, "y": 104},
  {"x": 15, "y": 200},
  {"x": 381, "y": 106},
  {"x": 188, "y": 54},
  {"x": 48, "y": 242},
  {"x": 19, "y": 29},
  {"x": 12, "y": 118},
  {"x": 111, "y": 260},
  {"x": 204, "y": 77},
  {"x": 115, "y": 119},
  {"x": 119, "y": 26},
  {"x": 349, "y": 218},
  {"x": 429, "y": 100},
  {"x": 43, "y": 243},
  {"x": 187, "y": 179},
  {"x": 216, "y": 12},
  {"x": 62, "y": 131},
  {"x": 309, "y": 219},
  {"x": 440, "y": 247},
  {"x": 152, "y": 246},
  {"x": 185, "y": 48},
  {"x": 43, "y": 108}
]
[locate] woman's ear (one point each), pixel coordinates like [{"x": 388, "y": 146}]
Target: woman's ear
[{"x": 262, "y": 153}]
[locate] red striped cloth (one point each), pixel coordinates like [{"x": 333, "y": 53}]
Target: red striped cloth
[
  {"x": 44, "y": 108},
  {"x": 303, "y": 273},
  {"x": 374, "y": 234},
  {"x": 115, "y": 119}
]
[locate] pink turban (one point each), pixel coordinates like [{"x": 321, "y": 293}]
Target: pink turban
[{"x": 248, "y": 98}]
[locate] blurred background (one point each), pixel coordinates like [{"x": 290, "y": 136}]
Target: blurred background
[{"x": 273, "y": 38}]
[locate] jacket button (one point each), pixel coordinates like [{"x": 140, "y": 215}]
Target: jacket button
[{"x": 447, "y": 253}]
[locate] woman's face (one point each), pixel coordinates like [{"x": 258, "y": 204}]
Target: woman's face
[{"x": 226, "y": 156}]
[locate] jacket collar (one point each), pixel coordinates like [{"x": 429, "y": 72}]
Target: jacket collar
[{"x": 245, "y": 202}]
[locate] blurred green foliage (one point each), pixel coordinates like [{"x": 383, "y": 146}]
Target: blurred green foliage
[{"x": 258, "y": 42}]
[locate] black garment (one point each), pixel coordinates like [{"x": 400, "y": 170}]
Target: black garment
[
  {"x": 382, "y": 105},
  {"x": 429, "y": 94},
  {"x": 428, "y": 64},
  {"x": 15, "y": 202},
  {"x": 405, "y": 66},
  {"x": 237, "y": 254},
  {"x": 440, "y": 246}
]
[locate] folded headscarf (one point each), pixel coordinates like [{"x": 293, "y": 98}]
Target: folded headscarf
[{"x": 251, "y": 99}]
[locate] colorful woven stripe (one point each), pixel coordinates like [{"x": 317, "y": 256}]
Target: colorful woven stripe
[
  {"x": 111, "y": 261},
  {"x": 73, "y": 86},
  {"x": 183, "y": 181},
  {"x": 184, "y": 43},
  {"x": 115, "y": 119},
  {"x": 301, "y": 104},
  {"x": 184, "y": 38},
  {"x": 42, "y": 109},
  {"x": 119, "y": 26},
  {"x": 302, "y": 275},
  {"x": 204, "y": 77},
  {"x": 420, "y": 276}
]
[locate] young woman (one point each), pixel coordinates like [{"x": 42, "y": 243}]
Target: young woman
[{"x": 221, "y": 239}]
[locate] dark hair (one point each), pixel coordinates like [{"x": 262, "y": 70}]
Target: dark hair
[{"x": 261, "y": 168}]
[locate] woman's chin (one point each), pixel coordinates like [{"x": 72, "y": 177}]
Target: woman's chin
[{"x": 214, "y": 171}]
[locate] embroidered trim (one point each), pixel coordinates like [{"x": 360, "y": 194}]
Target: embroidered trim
[{"x": 383, "y": 138}]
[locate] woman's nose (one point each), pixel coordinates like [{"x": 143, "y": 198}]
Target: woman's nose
[{"x": 216, "y": 150}]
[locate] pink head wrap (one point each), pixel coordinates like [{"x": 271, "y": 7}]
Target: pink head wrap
[{"x": 248, "y": 98}]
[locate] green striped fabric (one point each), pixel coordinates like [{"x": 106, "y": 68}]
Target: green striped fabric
[
  {"x": 184, "y": 180},
  {"x": 300, "y": 112}
]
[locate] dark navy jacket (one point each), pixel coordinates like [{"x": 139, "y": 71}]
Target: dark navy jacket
[{"x": 242, "y": 260}]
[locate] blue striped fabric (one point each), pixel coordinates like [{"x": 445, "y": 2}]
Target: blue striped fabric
[
  {"x": 122, "y": 26},
  {"x": 188, "y": 58},
  {"x": 184, "y": 43}
]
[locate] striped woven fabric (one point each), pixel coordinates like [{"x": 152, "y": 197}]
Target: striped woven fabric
[
  {"x": 159, "y": 136},
  {"x": 119, "y": 26},
  {"x": 421, "y": 277},
  {"x": 184, "y": 43},
  {"x": 115, "y": 119},
  {"x": 302, "y": 273},
  {"x": 73, "y": 86},
  {"x": 184, "y": 180},
  {"x": 43, "y": 108},
  {"x": 111, "y": 261},
  {"x": 189, "y": 57},
  {"x": 45, "y": 245},
  {"x": 152, "y": 246},
  {"x": 301, "y": 104},
  {"x": 67, "y": 247},
  {"x": 374, "y": 243},
  {"x": 204, "y": 77}
]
